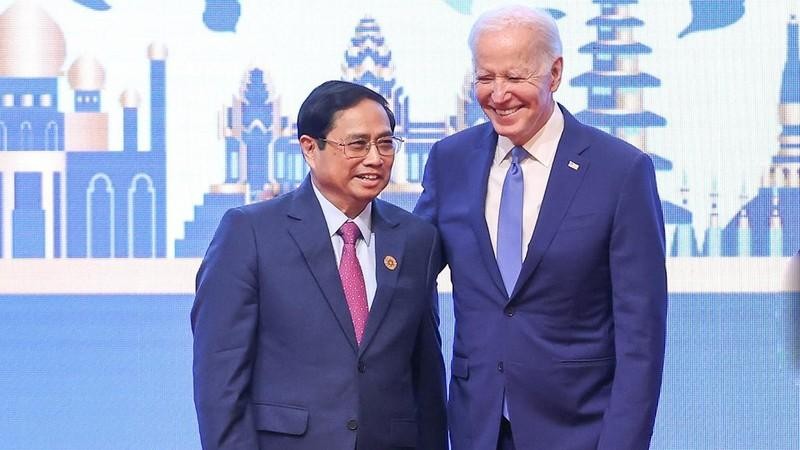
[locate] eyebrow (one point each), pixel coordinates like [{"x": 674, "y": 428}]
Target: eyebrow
[{"x": 366, "y": 136}]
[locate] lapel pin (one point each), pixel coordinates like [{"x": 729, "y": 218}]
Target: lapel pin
[
  {"x": 573, "y": 165},
  {"x": 390, "y": 262}
]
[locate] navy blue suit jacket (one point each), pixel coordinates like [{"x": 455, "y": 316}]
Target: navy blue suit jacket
[
  {"x": 276, "y": 364},
  {"x": 578, "y": 346}
]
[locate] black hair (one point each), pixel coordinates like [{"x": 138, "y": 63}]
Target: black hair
[{"x": 319, "y": 109}]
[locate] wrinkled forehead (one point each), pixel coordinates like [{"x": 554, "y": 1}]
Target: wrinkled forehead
[{"x": 514, "y": 51}]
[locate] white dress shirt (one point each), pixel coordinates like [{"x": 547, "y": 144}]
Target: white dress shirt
[
  {"x": 541, "y": 149},
  {"x": 365, "y": 247}
]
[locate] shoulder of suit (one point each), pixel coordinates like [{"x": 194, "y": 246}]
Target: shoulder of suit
[
  {"x": 401, "y": 216},
  {"x": 469, "y": 134},
  {"x": 608, "y": 144},
  {"x": 277, "y": 205}
]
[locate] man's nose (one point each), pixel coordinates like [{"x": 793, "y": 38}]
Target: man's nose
[
  {"x": 499, "y": 90},
  {"x": 373, "y": 157}
]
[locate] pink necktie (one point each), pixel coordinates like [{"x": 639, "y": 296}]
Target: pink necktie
[{"x": 355, "y": 290}]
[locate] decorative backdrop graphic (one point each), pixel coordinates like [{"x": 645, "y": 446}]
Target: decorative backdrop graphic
[{"x": 128, "y": 128}]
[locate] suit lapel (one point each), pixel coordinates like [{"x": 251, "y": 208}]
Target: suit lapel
[
  {"x": 308, "y": 229},
  {"x": 561, "y": 187},
  {"x": 483, "y": 155},
  {"x": 390, "y": 239}
]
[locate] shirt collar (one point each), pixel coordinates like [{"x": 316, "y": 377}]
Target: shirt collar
[
  {"x": 334, "y": 218},
  {"x": 542, "y": 146}
]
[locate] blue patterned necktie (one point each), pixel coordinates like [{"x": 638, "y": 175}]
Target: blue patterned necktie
[{"x": 509, "y": 223}]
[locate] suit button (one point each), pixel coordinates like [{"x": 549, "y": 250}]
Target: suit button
[
  {"x": 352, "y": 424},
  {"x": 509, "y": 311},
  {"x": 500, "y": 366},
  {"x": 362, "y": 367}
]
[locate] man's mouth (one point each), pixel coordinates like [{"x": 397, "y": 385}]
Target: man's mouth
[
  {"x": 368, "y": 177},
  {"x": 506, "y": 112}
]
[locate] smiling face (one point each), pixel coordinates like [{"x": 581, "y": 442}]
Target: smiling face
[
  {"x": 518, "y": 109},
  {"x": 351, "y": 183}
]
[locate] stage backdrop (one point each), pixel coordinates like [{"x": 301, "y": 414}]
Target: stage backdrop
[{"x": 128, "y": 128}]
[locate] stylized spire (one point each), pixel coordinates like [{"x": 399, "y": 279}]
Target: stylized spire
[
  {"x": 615, "y": 82},
  {"x": 789, "y": 108},
  {"x": 368, "y": 61},
  {"x": 685, "y": 190},
  {"x": 743, "y": 238},
  {"x": 714, "y": 198},
  {"x": 775, "y": 226},
  {"x": 713, "y": 241}
]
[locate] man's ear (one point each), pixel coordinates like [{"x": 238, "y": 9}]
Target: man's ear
[
  {"x": 309, "y": 147},
  {"x": 555, "y": 72}
]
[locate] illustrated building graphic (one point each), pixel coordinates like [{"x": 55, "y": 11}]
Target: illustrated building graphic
[
  {"x": 63, "y": 192},
  {"x": 616, "y": 89},
  {"x": 769, "y": 224},
  {"x": 616, "y": 100}
]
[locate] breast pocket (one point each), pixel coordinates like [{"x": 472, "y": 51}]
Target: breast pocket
[
  {"x": 579, "y": 221},
  {"x": 460, "y": 367}
]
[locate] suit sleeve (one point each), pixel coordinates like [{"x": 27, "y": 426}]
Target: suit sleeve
[
  {"x": 224, "y": 318},
  {"x": 639, "y": 286},
  {"x": 428, "y": 369},
  {"x": 427, "y": 204}
]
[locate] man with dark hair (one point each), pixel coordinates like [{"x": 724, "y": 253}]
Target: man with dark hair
[
  {"x": 313, "y": 322},
  {"x": 554, "y": 236}
]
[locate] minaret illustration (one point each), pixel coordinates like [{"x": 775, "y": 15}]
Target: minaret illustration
[
  {"x": 773, "y": 214},
  {"x": 63, "y": 192},
  {"x": 615, "y": 101}
]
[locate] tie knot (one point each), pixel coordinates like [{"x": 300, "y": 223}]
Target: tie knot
[
  {"x": 518, "y": 154},
  {"x": 349, "y": 232}
]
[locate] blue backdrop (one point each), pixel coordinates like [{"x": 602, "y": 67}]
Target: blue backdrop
[{"x": 128, "y": 128}]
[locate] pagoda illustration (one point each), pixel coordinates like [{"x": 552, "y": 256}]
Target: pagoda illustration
[{"x": 616, "y": 100}]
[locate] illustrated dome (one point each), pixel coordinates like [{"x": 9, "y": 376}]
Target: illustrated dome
[
  {"x": 130, "y": 98},
  {"x": 86, "y": 74},
  {"x": 31, "y": 42},
  {"x": 157, "y": 51}
]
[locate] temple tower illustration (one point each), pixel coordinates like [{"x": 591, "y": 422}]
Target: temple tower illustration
[
  {"x": 616, "y": 99},
  {"x": 256, "y": 164},
  {"x": 775, "y": 204}
]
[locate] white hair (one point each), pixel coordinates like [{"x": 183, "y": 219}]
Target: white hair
[{"x": 544, "y": 32}]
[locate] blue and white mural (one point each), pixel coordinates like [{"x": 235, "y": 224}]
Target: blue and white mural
[{"x": 98, "y": 250}]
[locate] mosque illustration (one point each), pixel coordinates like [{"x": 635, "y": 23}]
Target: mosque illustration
[
  {"x": 256, "y": 132},
  {"x": 63, "y": 192}
]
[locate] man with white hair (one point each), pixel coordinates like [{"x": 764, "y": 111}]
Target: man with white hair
[{"x": 554, "y": 235}]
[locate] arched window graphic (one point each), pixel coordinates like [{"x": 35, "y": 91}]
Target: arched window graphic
[
  {"x": 26, "y": 136},
  {"x": 142, "y": 217},
  {"x": 100, "y": 217},
  {"x": 3, "y": 137},
  {"x": 51, "y": 136}
]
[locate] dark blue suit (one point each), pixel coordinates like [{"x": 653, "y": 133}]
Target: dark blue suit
[
  {"x": 578, "y": 347},
  {"x": 276, "y": 364}
]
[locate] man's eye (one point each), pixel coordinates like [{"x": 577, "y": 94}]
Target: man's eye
[
  {"x": 357, "y": 145},
  {"x": 484, "y": 80},
  {"x": 516, "y": 79},
  {"x": 385, "y": 144}
]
